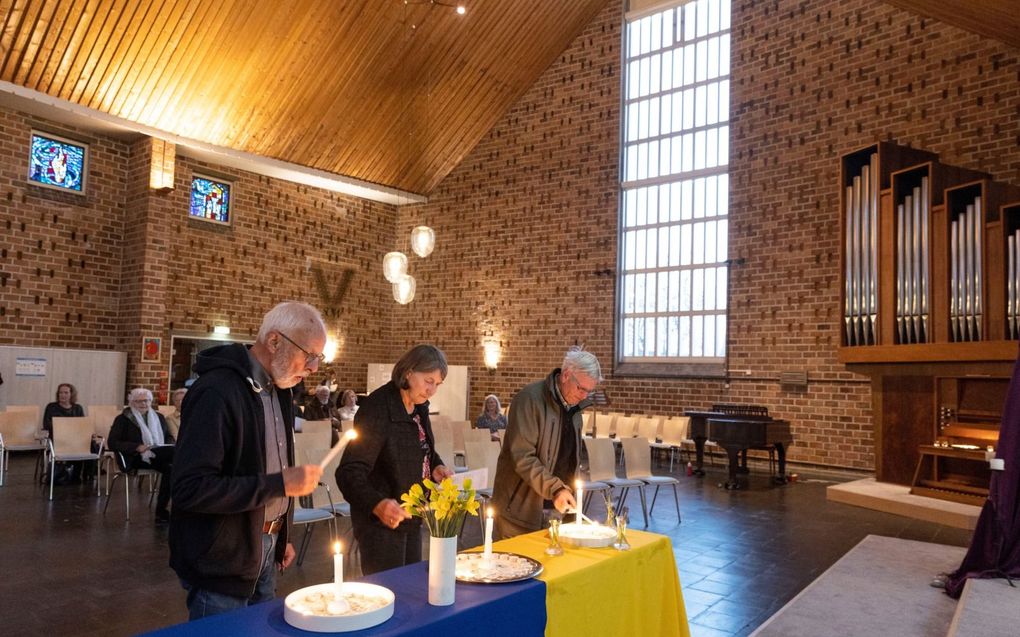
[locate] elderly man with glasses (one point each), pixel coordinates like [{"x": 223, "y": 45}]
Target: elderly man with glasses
[
  {"x": 540, "y": 454},
  {"x": 234, "y": 474}
]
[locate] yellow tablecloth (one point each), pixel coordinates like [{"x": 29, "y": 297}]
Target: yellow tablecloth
[{"x": 592, "y": 592}]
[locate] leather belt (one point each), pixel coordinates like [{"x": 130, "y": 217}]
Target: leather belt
[{"x": 273, "y": 526}]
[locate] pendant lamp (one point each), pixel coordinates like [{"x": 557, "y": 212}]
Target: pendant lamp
[
  {"x": 394, "y": 266},
  {"x": 403, "y": 289},
  {"x": 423, "y": 240}
]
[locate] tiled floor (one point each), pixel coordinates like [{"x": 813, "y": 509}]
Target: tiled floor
[{"x": 66, "y": 569}]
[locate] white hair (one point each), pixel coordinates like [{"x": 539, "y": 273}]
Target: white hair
[
  {"x": 579, "y": 360},
  {"x": 292, "y": 318},
  {"x": 139, "y": 392},
  {"x": 322, "y": 390}
]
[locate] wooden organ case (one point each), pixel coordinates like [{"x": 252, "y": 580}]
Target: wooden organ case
[{"x": 930, "y": 305}]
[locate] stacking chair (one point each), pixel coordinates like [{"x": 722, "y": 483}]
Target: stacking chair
[
  {"x": 651, "y": 430},
  {"x": 602, "y": 468},
  {"x": 674, "y": 436},
  {"x": 445, "y": 450},
  {"x": 123, "y": 472},
  {"x": 638, "y": 457},
  {"x": 604, "y": 424},
  {"x": 308, "y": 516},
  {"x": 625, "y": 426},
  {"x": 345, "y": 425},
  {"x": 72, "y": 442},
  {"x": 587, "y": 423},
  {"x": 19, "y": 431},
  {"x": 329, "y": 498},
  {"x": 34, "y": 410},
  {"x": 459, "y": 428},
  {"x": 320, "y": 430},
  {"x": 482, "y": 454}
]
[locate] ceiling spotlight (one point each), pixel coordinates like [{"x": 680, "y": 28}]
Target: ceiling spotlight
[{"x": 461, "y": 10}]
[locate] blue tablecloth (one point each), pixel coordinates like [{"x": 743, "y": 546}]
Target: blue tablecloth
[{"x": 492, "y": 610}]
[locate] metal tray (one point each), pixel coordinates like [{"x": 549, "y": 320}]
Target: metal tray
[{"x": 495, "y": 577}]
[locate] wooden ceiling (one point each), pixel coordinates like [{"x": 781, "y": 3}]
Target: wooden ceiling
[
  {"x": 996, "y": 19},
  {"x": 377, "y": 90}
]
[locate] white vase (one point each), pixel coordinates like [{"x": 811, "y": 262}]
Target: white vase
[{"x": 442, "y": 570}]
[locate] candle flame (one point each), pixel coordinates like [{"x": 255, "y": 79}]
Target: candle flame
[
  {"x": 336, "y": 548},
  {"x": 578, "y": 484},
  {"x": 490, "y": 511},
  {"x": 351, "y": 434}
]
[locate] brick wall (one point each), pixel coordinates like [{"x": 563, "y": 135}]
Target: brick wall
[{"x": 528, "y": 221}]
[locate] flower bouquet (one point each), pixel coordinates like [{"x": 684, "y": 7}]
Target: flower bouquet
[{"x": 443, "y": 508}]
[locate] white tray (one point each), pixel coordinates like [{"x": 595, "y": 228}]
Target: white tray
[
  {"x": 338, "y": 623},
  {"x": 593, "y": 536}
]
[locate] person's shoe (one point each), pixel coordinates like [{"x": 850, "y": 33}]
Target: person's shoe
[{"x": 162, "y": 517}]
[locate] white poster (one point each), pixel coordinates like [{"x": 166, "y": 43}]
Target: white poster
[{"x": 30, "y": 367}]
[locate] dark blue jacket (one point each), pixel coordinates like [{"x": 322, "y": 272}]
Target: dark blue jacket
[{"x": 220, "y": 486}]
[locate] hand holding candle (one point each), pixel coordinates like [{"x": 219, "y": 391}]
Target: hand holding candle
[{"x": 348, "y": 436}]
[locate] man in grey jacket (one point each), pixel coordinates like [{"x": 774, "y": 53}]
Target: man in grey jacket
[{"x": 539, "y": 458}]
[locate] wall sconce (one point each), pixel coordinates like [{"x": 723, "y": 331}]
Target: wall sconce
[
  {"x": 491, "y": 353},
  {"x": 161, "y": 165},
  {"x": 222, "y": 330},
  {"x": 394, "y": 266},
  {"x": 423, "y": 240},
  {"x": 403, "y": 289},
  {"x": 330, "y": 350}
]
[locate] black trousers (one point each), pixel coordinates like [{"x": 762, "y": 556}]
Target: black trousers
[
  {"x": 163, "y": 462},
  {"x": 383, "y": 548}
]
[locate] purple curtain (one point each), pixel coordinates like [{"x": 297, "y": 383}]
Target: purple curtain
[{"x": 995, "y": 548}]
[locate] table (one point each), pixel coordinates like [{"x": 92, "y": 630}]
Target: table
[
  {"x": 584, "y": 592},
  {"x": 510, "y": 610},
  {"x": 593, "y": 592}
]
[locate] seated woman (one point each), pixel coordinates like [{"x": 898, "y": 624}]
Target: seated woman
[
  {"x": 142, "y": 435},
  {"x": 492, "y": 417},
  {"x": 173, "y": 421},
  {"x": 66, "y": 406},
  {"x": 347, "y": 406}
]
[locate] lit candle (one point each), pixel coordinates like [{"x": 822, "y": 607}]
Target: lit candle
[
  {"x": 350, "y": 435},
  {"x": 580, "y": 501},
  {"x": 338, "y": 568},
  {"x": 487, "y": 554}
]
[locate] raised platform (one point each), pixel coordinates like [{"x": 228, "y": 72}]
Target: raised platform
[
  {"x": 897, "y": 499},
  {"x": 987, "y": 608}
]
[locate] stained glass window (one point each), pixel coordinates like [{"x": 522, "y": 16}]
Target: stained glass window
[
  {"x": 58, "y": 163},
  {"x": 210, "y": 199}
]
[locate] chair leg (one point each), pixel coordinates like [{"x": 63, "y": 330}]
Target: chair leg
[
  {"x": 107, "y": 505},
  {"x": 644, "y": 507},
  {"x": 676, "y": 499},
  {"x": 654, "y": 496},
  {"x": 622, "y": 497},
  {"x": 305, "y": 541},
  {"x": 3, "y": 465},
  {"x": 52, "y": 468},
  {"x": 127, "y": 498}
]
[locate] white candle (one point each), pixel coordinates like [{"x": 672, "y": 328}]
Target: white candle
[
  {"x": 338, "y": 568},
  {"x": 579, "y": 491},
  {"x": 338, "y": 447},
  {"x": 487, "y": 554}
]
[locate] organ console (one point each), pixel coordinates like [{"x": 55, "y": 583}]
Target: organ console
[{"x": 930, "y": 292}]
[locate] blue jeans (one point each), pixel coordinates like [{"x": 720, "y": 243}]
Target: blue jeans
[{"x": 205, "y": 603}]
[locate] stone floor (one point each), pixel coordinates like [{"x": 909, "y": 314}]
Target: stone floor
[{"x": 66, "y": 569}]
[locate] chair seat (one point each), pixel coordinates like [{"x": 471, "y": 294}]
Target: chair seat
[
  {"x": 74, "y": 457},
  {"x": 340, "y": 508},
  {"x": 485, "y": 493},
  {"x": 659, "y": 445},
  {"x": 659, "y": 480},
  {"x": 307, "y": 516},
  {"x": 596, "y": 486},
  {"x": 624, "y": 482},
  {"x": 26, "y": 447}
]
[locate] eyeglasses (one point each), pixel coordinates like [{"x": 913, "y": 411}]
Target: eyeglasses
[
  {"x": 580, "y": 387},
  {"x": 309, "y": 357}
]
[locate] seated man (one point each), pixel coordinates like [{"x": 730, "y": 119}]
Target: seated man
[
  {"x": 319, "y": 407},
  {"x": 142, "y": 436}
]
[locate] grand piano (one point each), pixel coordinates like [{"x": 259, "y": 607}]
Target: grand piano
[{"x": 737, "y": 428}]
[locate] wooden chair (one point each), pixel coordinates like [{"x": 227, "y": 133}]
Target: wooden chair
[
  {"x": 603, "y": 424},
  {"x": 638, "y": 456},
  {"x": 19, "y": 431},
  {"x": 72, "y": 442},
  {"x": 675, "y": 435}
]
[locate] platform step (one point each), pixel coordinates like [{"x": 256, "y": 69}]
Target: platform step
[{"x": 987, "y": 608}]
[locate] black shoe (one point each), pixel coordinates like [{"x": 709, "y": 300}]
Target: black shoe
[{"x": 162, "y": 517}]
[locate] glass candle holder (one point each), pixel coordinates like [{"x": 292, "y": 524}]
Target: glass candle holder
[{"x": 554, "y": 547}]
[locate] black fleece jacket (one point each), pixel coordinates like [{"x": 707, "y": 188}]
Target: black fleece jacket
[{"x": 220, "y": 486}]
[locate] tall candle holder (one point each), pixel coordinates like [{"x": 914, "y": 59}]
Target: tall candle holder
[{"x": 621, "y": 543}]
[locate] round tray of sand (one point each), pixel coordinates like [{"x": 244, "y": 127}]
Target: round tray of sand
[
  {"x": 318, "y": 608},
  {"x": 587, "y": 535}
]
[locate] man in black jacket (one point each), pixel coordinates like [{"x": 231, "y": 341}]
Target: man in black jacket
[{"x": 234, "y": 472}]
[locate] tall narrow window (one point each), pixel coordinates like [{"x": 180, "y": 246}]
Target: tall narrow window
[{"x": 675, "y": 190}]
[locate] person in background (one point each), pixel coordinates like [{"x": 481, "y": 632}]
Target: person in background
[
  {"x": 66, "y": 406},
  {"x": 143, "y": 436},
  {"x": 539, "y": 457},
  {"x": 334, "y": 386},
  {"x": 173, "y": 421},
  {"x": 234, "y": 477},
  {"x": 319, "y": 407},
  {"x": 394, "y": 449},
  {"x": 492, "y": 417},
  {"x": 347, "y": 406}
]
